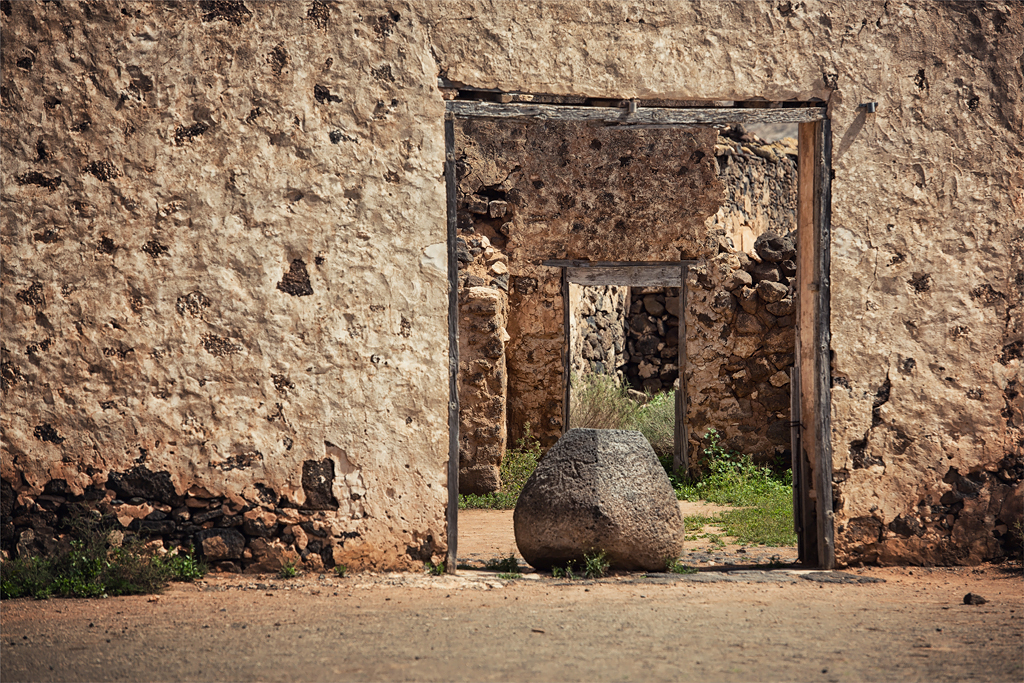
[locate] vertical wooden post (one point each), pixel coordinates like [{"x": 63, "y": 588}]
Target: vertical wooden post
[
  {"x": 453, "y": 346},
  {"x": 681, "y": 454},
  {"x": 566, "y": 354},
  {"x": 823, "y": 343},
  {"x": 813, "y": 336}
]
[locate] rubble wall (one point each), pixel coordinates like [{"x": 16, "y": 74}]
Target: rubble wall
[
  {"x": 927, "y": 248},
  {"x": 596, "y": 331}
]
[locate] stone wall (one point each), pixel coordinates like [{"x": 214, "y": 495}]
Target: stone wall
[
  {"x": 760, "y": 186},
  {"x": 740, "y": 340},
  {"x": 166, "y": 166},
  {"x": 596, "y": 332},
  {"x": 224, "y": 288},
  {"x": 483, "y": 387},
  {"x": 617, "y": 195},
  {"x": 652, "y": 349}
]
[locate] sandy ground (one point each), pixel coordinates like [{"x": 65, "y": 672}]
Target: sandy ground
[
  {"x": 488, "y": 534},
  {"x": 721, "y": 624}
]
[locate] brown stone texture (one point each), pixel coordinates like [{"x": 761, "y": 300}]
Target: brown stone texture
[
  {"x": 597, "y": 338},
  {"x": 214, "y": 237},
  {"x": 166, "y": 164},
  {"x": 483, "y": 316},
  {"x": 576, "y": 191},
  {"x": 739, "y": 353},
  {"x": 760, "y": 186}
]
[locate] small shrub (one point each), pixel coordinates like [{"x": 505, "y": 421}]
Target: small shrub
[
  {"x": 340, "y": 570},
  {"x": 516, "y": 467},
  {"x": 674, "y": 566},
  {"x": 510, "y": 576},
  {"x": 434, "y": 569},
  {"x": 600, "y": 402},
  {"x": 507, "y": 565},
  {"x": 566, "y": 572},
  {"x": 595, "y": 565},
  {"x": 288, "y": 571},
  {"x": 183, "y": 566},
  {"x": 90, "y": 568},
  {"x": 656, "y": 420}
]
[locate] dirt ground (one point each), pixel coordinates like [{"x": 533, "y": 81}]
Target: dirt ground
[{"x": 725, "y": 623}]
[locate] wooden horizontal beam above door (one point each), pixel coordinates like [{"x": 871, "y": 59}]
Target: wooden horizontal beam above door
[
  {"x": 632, "y": 276},
  {"x": 642, "y": 116}
]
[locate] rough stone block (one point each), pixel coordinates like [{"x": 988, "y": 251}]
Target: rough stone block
[{"x": 599, "y": 490}]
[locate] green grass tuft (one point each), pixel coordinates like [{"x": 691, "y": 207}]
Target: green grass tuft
[
  {"x": 90, "y": 567},
  {"x": 507, "y": 565},
  {"x": 516, "y": 467}
]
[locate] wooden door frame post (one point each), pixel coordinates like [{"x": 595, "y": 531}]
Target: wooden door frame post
[
  {"x": 814, "y": 171},
  {"x": 451, "y": 188}
]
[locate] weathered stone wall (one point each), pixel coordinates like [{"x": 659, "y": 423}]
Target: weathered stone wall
[
  {"x": 927, "y": 249},
  {"x": 760, "y": 186},
  {"x": 652, "y": 349},
  {"x": 483, "y": 317},
  {"x": 597, "y": 336},
  {"x": 224, "y": 287},
  {"x": 575, "y": 191},
  {"x": 154, "y": 152},
  {"x": 740, "y": 340}
]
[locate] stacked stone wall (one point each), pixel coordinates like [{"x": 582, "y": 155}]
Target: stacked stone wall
[
  {"x": 598, "y": 337},
  {"x": 652, "y": 349},
  {"x": 740, "y": 319}
]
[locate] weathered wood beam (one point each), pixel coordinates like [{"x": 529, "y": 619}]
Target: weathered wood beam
[
  {"x": 453, "y": 347},
  {"x": 642, "y": 116},
  {"x": 582, "y": 263},
  {"x": 631, "y": 276}
]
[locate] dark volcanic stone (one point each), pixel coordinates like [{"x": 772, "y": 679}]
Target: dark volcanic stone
[
  {"x": 140, "y": 482},
  {"x": 599, "y": 490}
]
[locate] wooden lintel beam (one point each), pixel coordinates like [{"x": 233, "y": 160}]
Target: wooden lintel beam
[
  {"x": 642, "y": 116},
  {"x": 580, "y": 263}
]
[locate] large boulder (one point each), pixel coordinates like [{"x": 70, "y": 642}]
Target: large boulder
[{"x": 599, "y": 490}]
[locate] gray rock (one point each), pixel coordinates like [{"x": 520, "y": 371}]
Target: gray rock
[
  {"x": 774, "y": 248},
  {"x": 765, "y": 271},
  {"x": 221, "y": 544},
  {"x": 782, "y": 307},
  {"x": 738, "y": 278},
  {"x": 653, "y": 306},
  {"x": 599, "y": 490},
  {"x": 748, "y": 299},
  {"x": 771, "y": 292}
]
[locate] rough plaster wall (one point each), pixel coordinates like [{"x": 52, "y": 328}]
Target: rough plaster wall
[
  {"x": 939, "y": 162},
  {"x": 928, "y": 190},
  {"x": 216, "y": 222},
  {"x": 580, "y": 191}
]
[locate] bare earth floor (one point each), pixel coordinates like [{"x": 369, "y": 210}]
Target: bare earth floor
[{"x": 721, "y": 624}]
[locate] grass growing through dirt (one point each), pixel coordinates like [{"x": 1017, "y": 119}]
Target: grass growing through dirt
[
  {"x": 733, "y": 479},
  {"x": 516, "y": 467},
  {"x": 91, "y": 567}
]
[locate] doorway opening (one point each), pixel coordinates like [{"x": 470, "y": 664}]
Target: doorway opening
[{"x": 531, "y": 230}]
